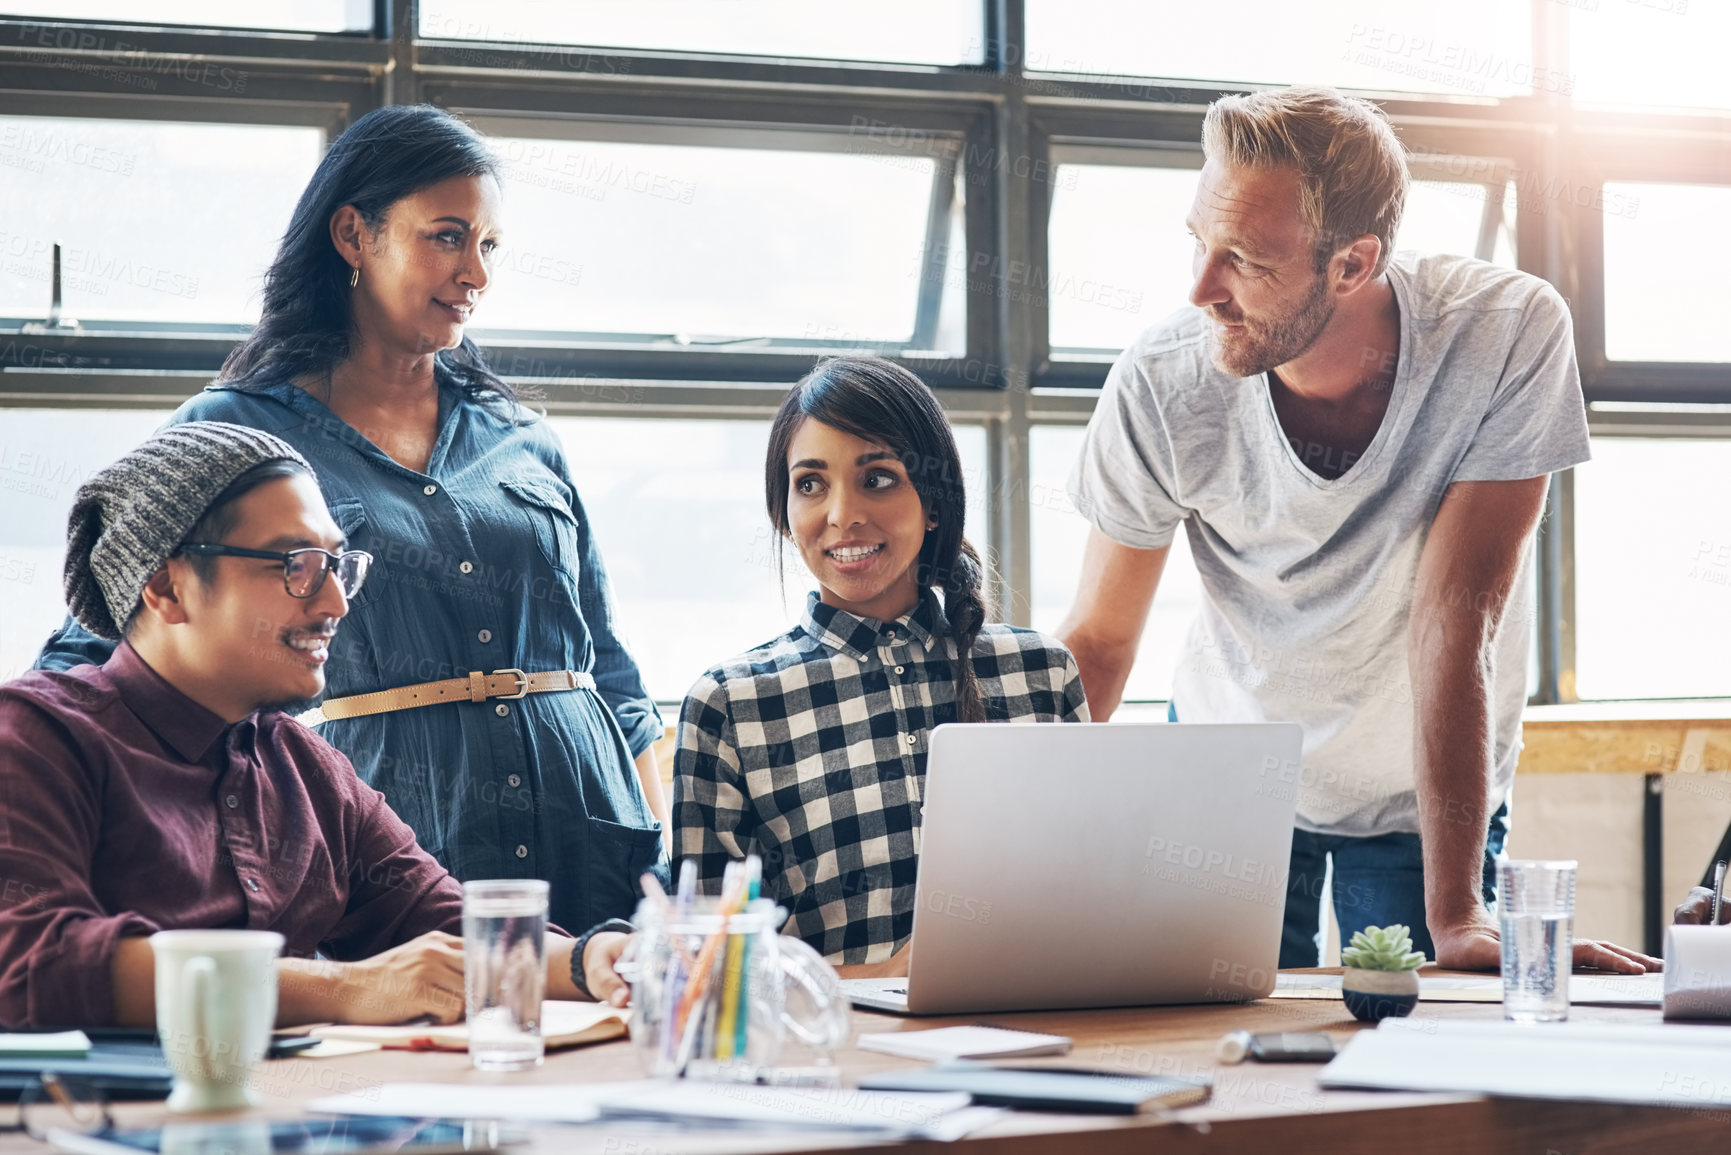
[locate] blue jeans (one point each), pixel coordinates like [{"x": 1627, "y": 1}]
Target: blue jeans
[{"x": 1377, "y": 881}]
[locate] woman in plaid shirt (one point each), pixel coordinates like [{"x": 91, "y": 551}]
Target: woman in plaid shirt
[{"x": 810, "y": 750}]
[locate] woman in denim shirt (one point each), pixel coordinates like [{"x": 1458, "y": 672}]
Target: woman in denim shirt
[{"x": 484, "y": 557}]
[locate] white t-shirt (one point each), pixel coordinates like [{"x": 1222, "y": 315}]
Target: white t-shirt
[{"x": 1308, "y": 583}]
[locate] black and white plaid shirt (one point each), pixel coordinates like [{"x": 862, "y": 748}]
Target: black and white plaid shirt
[{"x": 810, "y": 751}]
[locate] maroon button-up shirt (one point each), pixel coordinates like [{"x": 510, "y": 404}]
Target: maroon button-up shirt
[{"x": 127, "y": 808}]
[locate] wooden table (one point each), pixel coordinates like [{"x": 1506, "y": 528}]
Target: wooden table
[{"x": 1255, "y": 1108}]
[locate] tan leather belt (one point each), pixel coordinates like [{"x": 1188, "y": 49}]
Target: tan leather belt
[{"x": 477, "y": 687}]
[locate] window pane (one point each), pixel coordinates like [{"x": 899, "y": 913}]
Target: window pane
[
  {"x": 1466, "y": 48},
  {"x": 678, "y": 510},
  {"x": 903, "y": 31},
  {"x": 704, "y": 243},
  {"x": 1120, "y": 254},
  {"x": 45, "y": 455},
  {"x": 1059, "y": 533},
  {"x": 160, "y": 221},
  {"x": 1666, "y": 296},
  {"x": 1653, "y": 569},
  {"x": 295, "y": 15},
  {"x": 1657, "y": 53},
  {"x": 1446, "y": 217}
]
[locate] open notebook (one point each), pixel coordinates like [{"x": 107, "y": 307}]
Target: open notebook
[{"x": 563, "y": 1024}]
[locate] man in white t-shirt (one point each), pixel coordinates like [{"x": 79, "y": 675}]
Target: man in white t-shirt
[{"x": 1358, "y": 446}]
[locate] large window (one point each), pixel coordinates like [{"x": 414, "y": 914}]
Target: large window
[
  {"x": 701, "y": 244},
  {"x": 295, "y": 15},
  {"x": 1653, "y": 569},
  {"x": 1653, "y": 53},
  {"x": 1466, "y": 48},
  {"x": 908, "y": 31},
  {"x": 157, "y": 221},
  {"x": 1666, "y": 294}
]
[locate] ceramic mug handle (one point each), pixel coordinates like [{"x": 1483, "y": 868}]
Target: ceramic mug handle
[{"x": 197, "y": 982}]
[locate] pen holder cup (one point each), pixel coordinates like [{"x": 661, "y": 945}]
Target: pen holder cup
[{"x": 719, "y": 996}]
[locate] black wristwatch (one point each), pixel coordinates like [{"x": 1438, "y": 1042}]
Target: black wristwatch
[{"x": 611, "y": 926}]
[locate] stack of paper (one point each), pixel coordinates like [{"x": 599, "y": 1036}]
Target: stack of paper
[
  {"x": 944, "y": 1044},
  {"x": 1665, "y": 1065}
]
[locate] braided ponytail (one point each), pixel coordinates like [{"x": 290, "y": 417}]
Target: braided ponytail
[{"x": 965, "y": 607}]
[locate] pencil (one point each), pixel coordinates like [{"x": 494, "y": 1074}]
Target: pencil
[
  {"x": 742, "y": 1024},
  {"x": 725, "y": 1026}
]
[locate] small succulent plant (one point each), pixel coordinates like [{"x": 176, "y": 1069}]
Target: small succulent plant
[{"x": 1383, "y": 948}]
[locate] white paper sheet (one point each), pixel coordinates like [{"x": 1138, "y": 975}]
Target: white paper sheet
[
  {"x": 1698, "y": 972},
  {"x": 1665, "y": 1065}
]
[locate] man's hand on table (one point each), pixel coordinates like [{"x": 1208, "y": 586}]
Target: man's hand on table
[
  {"x": 419, "y": 978},
  {"x": 600, "y": 954},
  {"x": 1475, "y": 944}
]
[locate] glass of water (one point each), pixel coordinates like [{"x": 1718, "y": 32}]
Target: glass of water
[
  {"x": 1536, "y": 903},
  {"x": 505, "y": 971}
]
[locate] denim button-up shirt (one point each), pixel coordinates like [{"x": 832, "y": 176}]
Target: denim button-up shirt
[{"x": 485, "y": 561}]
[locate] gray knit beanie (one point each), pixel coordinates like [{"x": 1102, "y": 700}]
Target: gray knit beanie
[{"x": 130, "y": 517}]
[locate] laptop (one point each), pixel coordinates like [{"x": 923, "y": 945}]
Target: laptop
[{"x": 1097, "y": 866}]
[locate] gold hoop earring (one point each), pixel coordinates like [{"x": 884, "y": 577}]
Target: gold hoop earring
[{"x": 355, "y": 277}]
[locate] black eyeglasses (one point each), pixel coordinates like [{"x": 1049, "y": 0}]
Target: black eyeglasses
[
  {"x": 303, "y": 570},
  {"x": 53, "y": 1103}
]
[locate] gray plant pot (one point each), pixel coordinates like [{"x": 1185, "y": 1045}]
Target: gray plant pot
[{"x": 1373, "y": 996}]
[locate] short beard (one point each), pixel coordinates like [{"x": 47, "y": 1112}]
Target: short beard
[{"x": 1266, "y": 344}]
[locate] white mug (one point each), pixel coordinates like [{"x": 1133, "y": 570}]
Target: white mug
[{"x": 215, "y": 1007}]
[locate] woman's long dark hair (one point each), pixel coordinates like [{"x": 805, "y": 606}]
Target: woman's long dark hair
[
  {"x": 881, "y": 402},
  {"x": 386, "y": 155}
]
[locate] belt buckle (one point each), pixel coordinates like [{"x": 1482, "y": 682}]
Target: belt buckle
[{"x": 522, "y": 683}]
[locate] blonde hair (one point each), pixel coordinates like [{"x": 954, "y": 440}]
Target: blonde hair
[{"x": 1351, "y": 167}]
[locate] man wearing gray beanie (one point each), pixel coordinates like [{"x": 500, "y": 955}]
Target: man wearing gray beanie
[{"x": 165, "y": 789}]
